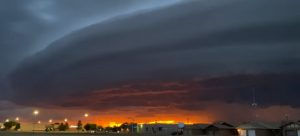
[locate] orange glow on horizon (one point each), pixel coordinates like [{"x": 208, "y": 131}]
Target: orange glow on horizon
[
  {"x": 162, "y": 119},
  {"x": 114, "y": 124},
  {"x": 117, "y": 124},
  {"x": 162, "y": 122},
  {"x": 111, "y": 121}
]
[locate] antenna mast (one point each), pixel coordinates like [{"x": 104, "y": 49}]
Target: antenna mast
[{"x": 254, "y": 104}]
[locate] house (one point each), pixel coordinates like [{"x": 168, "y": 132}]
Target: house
[
  {"x": 290, "y": 129},
  {"x": 221, "y": 129},
  {"x": 258, "y": 129},
  {"x": 195, "y": 129}
]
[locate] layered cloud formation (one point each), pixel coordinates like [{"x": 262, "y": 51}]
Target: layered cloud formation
[{"x": 188, "y": 57}]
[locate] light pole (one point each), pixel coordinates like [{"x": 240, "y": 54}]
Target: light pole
[
  {"x": 17, "y": 119},
  {"x": 86, "y": 115},
  {"x": 35, "y": 114}
]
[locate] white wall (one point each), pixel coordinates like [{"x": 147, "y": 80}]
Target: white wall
[{"x": 251, "y": 133}]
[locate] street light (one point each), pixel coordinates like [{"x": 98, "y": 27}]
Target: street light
[
  {"x": 35, "y": 113},
  {"x": 7, "y": 120},
  {"x": 86, "y": 115},
  {"x": 66, "y": 120},
  {"x": 17, "y": 119}
]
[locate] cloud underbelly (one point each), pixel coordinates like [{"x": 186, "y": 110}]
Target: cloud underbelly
[{"x": 157, "y": 46}]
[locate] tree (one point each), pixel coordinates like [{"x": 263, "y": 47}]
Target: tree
[
  {"x": 18, "y": 126},
  {"x": 116, "y": 129},
  {"x": 63, "y": 127},
  {"x": 125, "y": 126},
  {"x": 8, "y": 125},
  {"x": 79, "y": 125},
  {"x": 90, "y": 127},
  {"x": 112, "y": 129},
  {"x": 100, "y": 128},
  {"x": 87, "y": 127},
  {"x": 108, "y": 129},
  {"x": 67, "y": 126}
]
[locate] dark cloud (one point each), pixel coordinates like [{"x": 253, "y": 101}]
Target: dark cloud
[
  {"x": 31, "y": 25},
  {"x": 193, "y": 95},
  {"x": 185, "y": 41},
  {"x": 196, "y": 57},
  {"x": 274, "y": 93}
]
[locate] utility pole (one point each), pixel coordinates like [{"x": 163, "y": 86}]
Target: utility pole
[{"x": 254, "y": 104}]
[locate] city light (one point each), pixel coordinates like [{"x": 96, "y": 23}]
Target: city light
[
  {"x": 50, "y": 121},
  {"x": 7, "y": 120},
  {"x": 66, "y": 120},
  {"x": 86, "y": 115},
  {"x": 39, "y": 122},
  {"x": 35, "y": 112},
  {"x": 73, "y": 126},
  {"x": 17, "y": 119}
]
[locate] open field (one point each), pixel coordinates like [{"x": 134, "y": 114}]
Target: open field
[{"x": 68, "y": 134}]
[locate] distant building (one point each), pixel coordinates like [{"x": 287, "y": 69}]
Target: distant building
[
  {"x": 28, "y": 127},
  {"x": 258, "y": 129},
  {"x": 291, "y": 129}
]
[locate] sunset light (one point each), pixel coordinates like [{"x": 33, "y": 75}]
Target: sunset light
[
  {"x": 149, "y": 68},
  {"x": 113, "y": 124},
  {"x": 163, "y": 122}
]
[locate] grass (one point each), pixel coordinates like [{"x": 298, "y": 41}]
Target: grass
[{"x": 69, "y": 134}]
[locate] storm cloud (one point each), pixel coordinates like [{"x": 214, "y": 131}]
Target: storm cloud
[
  {"x": 193, "y": 56},
  {"x": 189, "y": 40},
  {"x": 23, "y": 21},
  {"x": 29, "y": 26}
]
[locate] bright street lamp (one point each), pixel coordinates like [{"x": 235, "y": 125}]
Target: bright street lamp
[
  {"x": 35, "y": 112},
  {"x": 86, "y": 115},
  {"x": 17, "y": 119},
  {"x": 7, "y": 120},
  {"x": 66, "y": 120},
  {"x": 50, "y": 120}
]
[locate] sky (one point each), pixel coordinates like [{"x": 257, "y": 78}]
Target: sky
[{"x": 131, "y": 60}]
